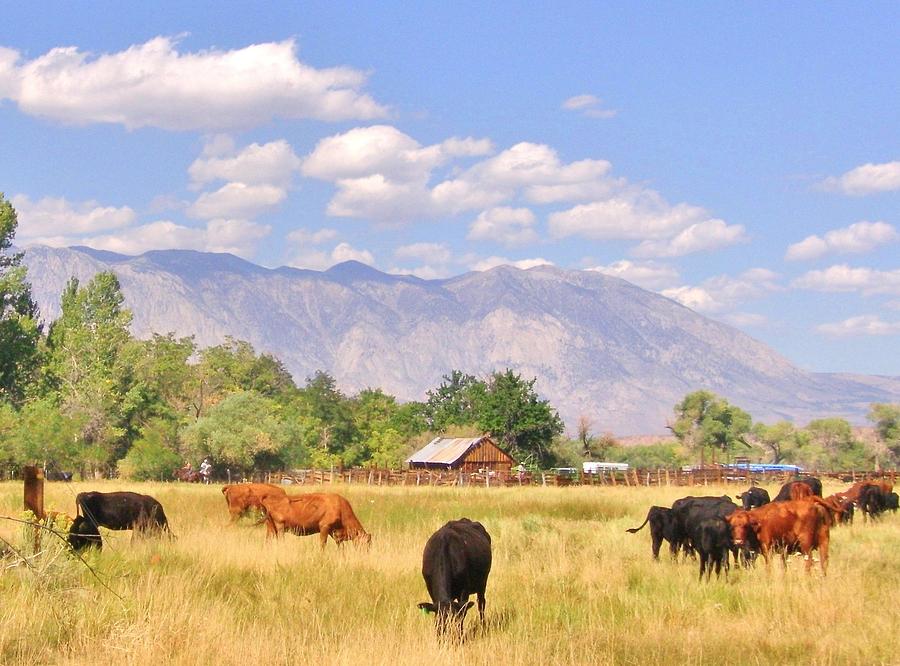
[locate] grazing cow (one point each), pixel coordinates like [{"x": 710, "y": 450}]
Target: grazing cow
[
  {"x": 845, "y": 505},
  {"x": 325, "y": 514},
  {"x": 784, "y": 495},
  {"x": 871, "y": 501},
  {"x": 753, "y": 497},
  {"x": 245, "y": 496},
  {"x": 800, "y": 491},
  {"x": 661, "y": 527},
  {"x": 455, "y": 564},
  {"x": 712, "y": 539},
  {"x": 84, "y": 534},
  {"x": 891, "y": 501},
  {"x": 689, "y": 511},
  {"x": 785, "y": 526},
  {"x": 853, "y": 491},
  {"x": 115, "y": 511}
]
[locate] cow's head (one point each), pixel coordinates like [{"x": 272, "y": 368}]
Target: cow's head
[
  {"x": 84, "y": 534},
  {"x": 741, "y": 523},
  {"x": 448, "y": 615}
]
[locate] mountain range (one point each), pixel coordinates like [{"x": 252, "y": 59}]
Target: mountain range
[{"x": 598, "y": 346}]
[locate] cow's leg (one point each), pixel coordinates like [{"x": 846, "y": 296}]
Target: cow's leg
[
  {"x": 655, "y": 545},
  {"x": 324, "y": 531},
  {"x": 481, "y": 604}
]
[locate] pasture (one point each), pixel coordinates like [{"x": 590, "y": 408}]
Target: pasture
[{"x": 568, "y": 586}]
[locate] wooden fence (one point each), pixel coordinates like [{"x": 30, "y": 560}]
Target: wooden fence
[{"x": 632, "y": 478}]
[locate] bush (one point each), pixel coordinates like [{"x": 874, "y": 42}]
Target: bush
[{"x": 152, "y": 457}]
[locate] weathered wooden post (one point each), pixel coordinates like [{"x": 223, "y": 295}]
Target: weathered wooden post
[
  {"x": 34, "y": 490},
  {"x": 34, "y": 498}
]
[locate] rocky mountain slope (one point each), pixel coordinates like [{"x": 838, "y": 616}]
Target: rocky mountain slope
[{"x": 599, "y": 346}]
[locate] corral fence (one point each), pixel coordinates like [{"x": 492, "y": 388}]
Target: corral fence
[{"x": 629, "y": 478}]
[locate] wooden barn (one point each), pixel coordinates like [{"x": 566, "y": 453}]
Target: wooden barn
[{"x": 469, "y": 454}]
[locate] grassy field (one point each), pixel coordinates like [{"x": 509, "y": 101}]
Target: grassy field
[{"x": 568, "y": 586}]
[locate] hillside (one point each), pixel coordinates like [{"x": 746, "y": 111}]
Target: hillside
[{"x": 599, "y": 346}]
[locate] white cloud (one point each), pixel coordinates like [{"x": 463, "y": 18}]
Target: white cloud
[
  {"x": 858, "y": 237},
  {"x": 155, "y": 85},
  {"x": 858, "y": 326},
  {"x": 647, "y": 216},
  {"x": 843, "y": 278},
  {"x": 382, "y": 173},
  {"x": 237, "y": 200},
  {"x": 648, "y": 275},
  {"x": 723, "y": 292},
  {"x": 435, "y": 253},
  {"x": 53, "y": 216},
  {"x": 272, "y": 163},
  {"x": 321, "y": 260},
  {"x": 509, "y": 226},
  {"x": 589, "y": 105},
  {"x": 425, "y": 272},
  {"x": 866, "y": 179},
  {"x": 235, "y": 236},
  {"x": 699, "y": 237},
  {"x": 492, "y": 262},
  {"x": 307, "y": 237}
]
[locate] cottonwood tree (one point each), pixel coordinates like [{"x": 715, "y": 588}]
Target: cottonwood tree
[
  {"x": 886, "y": 417},
  {"x": 19, "y": 327},
  {"x": 454, "y": 402},
  {"x": 87, "y": 368},
  {"x": 704, "y": 420},
  {"x": 511, "y": 411}
]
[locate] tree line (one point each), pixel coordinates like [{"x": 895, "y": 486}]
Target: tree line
[{"x": 82, "y": 393}]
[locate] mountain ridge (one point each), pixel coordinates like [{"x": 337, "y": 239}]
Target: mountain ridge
[{"x": 599, "y": 346}]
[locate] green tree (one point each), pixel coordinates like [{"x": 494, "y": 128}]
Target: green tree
[
  {"x": 45, "y": 435},
  {"x": 707, "y": 422},
  {"x": 779, "y": 440},
  {"x": 243, "y": 431},
  {"x": 87, "y": 366},
  {"x": 830, "y": 444},
  {"x": 454, "y": 402},
  {"x": 330, "y": 434},
  {"x": 19, "y": 328},
  {"x": 154, "y": 455},
  {"x": 886, "y": 417},
  {"x": 512, "y": 412}
]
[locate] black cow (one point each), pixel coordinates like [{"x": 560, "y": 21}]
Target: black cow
[
  {"x": 712, "y": 539},
  {"x": 871, "y": 501},
  {"x": 753, "y": 497},
  {"x": 661, "y": 527},
  {"x": 455, "y": 564},
  {"x": 891, "y": 502},
  {"x": 689, "y": 511},
  {"x": 784, "y": 495},
  {"x": 115, "y": 511}
]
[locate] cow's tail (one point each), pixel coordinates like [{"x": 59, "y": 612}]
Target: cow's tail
[{"x": 632, "y": 530}]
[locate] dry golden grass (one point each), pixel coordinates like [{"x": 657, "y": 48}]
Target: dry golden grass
[{"x": 568, "y": 586}]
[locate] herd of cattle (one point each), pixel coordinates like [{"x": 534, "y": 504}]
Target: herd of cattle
[
  {"x": 799, "y": 519},
  {"x": 457, "y": 558}
]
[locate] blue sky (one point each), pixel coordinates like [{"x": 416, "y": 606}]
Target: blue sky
[{"x": 743, "y": 159}]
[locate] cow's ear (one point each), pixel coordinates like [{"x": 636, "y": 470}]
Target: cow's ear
[{"x": 427, "y": 608}]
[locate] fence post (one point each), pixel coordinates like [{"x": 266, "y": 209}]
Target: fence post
[{"x": 34, "y": 490}]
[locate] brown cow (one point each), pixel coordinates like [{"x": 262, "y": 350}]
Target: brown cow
[
  {"x": 314, "y": 513},
  {"x": 800, "y": 491},
  {"x": 852, "y": 493},
  {"x": 785, "y": 526},
  {"x": 245, "y": 496}
]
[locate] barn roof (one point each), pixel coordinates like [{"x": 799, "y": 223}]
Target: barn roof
[{"x": 445, "y": 450}]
